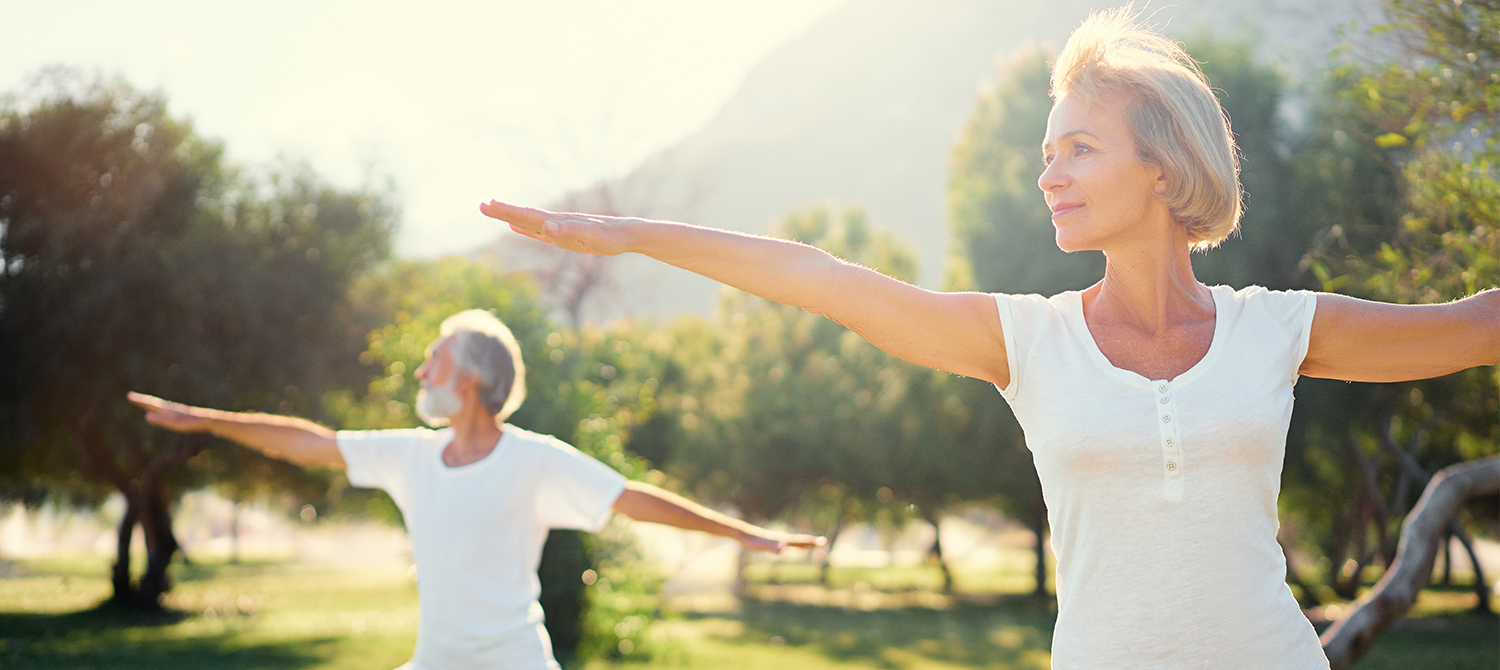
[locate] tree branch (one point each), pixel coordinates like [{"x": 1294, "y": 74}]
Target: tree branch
[{"x": 1348, "y": 639}]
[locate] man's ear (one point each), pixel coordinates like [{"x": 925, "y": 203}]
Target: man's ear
[{"x": 466, "y": 383}]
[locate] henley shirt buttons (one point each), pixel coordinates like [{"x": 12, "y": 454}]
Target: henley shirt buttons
[
  {"x": 1165, "y": 400},
  {"x": 1171, "y": 465},
  {"x": 1170, "y": 442},
  {"x": 1166, "y": 418},
  {"x": 1162, "y": 388}
]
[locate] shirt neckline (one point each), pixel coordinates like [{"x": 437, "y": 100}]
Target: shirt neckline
[
  {"x": 1136, "y": 378},
  {"x": 456, "y": 470}
]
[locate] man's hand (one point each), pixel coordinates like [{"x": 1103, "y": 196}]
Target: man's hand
[
  {"x": 173, "y": 416},
  {"x": 290, "y": 439},
  {"x": 644, "y": 502},
  {"x": 773, "y": 543}
]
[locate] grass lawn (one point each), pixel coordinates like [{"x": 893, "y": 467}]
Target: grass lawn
[
  {"x": 224, "y": 617},
  {"x": 279, "y": 615}
]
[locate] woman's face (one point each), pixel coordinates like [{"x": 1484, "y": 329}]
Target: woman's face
[{"x": 1100, "y": 193}]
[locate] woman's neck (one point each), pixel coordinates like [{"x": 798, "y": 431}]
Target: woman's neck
[{"x": 1149, "y": 285}]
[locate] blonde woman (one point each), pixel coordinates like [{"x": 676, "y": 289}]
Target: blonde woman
[{"x": 1156, "y": 407}]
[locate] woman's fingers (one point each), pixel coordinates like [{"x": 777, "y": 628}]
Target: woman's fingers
[
  {"x": 535, "y": 236},
  {"x": 574, "y": 232},
  {"x": 524, "y": 219}
]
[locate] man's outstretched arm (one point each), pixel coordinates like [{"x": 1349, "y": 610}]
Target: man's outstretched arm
[
  {"x": 644, "y": 502},
  {"x": 286, "y": 438}
]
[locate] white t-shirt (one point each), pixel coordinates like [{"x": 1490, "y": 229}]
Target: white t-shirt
[
  {"x": 1162, "y": 494},
  {"x": 477, "y": 532}
]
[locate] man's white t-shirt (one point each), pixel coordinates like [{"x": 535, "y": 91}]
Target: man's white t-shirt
[
  {"x": 477, "y": 532},
  {"x": 1161, "y": 494}
]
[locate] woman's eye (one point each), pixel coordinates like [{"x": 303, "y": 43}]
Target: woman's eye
[
  {"x": 1081, "y": 149},
  {"x": 1046, "y": 159}
]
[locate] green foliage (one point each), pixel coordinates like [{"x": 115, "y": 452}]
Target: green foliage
[
  {"x": 1002, "y": 230},
  {"x": 625, "y": 599},
  {"x": 1273, "y": 235},
  {"x": 1435, "y": 115},
  {"x": 778, "y": 403},
  {"x": 1401, "y": 164},
  {"x": 132, "y": 258}
]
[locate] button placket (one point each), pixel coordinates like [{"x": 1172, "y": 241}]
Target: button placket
[{"x": 1171, "y": 447}]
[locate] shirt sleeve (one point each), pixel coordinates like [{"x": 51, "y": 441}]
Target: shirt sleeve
[
  {"x": 1303, "y": 312},
  {"x": 378, "y": 458},
  {"x": 1019, "y": 315},
  {"x": 575, "y": 491}
]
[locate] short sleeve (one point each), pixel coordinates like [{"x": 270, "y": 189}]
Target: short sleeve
[
  {"x": 378, "y": 458},
  {"x": 1304, "y": 317},
  {"x": 1019, "y": 319},
  {"x": 575, "y": 491},
  {"x": 1285, "y": 318}
]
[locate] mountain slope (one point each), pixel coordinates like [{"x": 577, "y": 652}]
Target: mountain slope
[{"x": 863, "y": 108}]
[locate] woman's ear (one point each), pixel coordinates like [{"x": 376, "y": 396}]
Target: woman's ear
[{"x": 1159, "y": 183}]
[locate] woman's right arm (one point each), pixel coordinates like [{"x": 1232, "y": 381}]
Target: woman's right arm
[{"x": 955, "y": 332}]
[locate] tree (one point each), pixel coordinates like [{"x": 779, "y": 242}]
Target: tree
[
  {"x": 781, "y": 410},
  {"x": 1432, "y": 115},
  {"x": 1003, "y": 242},
  {"x": 1350, "y": 638},
  {"x": 133, "y": 258}
]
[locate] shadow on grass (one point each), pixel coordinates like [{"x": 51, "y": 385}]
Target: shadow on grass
[
  {"x": 1016, "y": 633},
  {"x": 113, "y": 637},
  {"x": 1450, "y": 641},
  {"x": 1010, "y": 634}
]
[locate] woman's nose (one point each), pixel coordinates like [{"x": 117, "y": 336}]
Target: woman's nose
[{"x": 1052, "y": 178}]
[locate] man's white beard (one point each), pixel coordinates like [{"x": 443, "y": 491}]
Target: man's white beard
[{"x": 437, "y": 404}]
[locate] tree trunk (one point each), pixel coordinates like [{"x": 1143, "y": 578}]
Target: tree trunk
[
  {"x": 161, "y": 545},
  {"x": 833, "y": 536},
  {"x": 1309, "y": 597},
  {"x": 741, "y": 561},
  {"x": 146, "y": 505},
  {"x": 120, "y": 573},
  {"x": 1414, "y": 471},
  {"x": 234, "y": 533},
  {"x": 937, "y": 547},
  {"x": 1348, "y": 639},
  {"x": 1481, "y": 587},
  {"x": 1039, "y": 527}
]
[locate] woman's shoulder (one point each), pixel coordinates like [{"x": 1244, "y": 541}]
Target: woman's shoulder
[
  {"x": 1259, "y": 295},
  {"x": 1065, "y": 301},
  {"x": 1292, "y": 308}
]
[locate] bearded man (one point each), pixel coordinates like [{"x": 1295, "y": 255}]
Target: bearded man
[{"x": 478, "y": 495}]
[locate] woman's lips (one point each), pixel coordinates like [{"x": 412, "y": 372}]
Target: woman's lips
[{"x": 1064, "y": 208}]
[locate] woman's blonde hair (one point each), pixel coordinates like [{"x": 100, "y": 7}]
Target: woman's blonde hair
[{"x": 1177, "y": 122}]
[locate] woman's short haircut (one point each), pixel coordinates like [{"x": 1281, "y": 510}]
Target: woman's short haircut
[
  {"x": 1177, "y": 122},
  {"x": 486, "y": 348}
]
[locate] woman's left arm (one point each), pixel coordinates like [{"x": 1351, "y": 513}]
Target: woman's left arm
[{"x": 1363, "y": 341}]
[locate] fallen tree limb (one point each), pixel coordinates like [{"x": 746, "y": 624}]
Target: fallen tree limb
[{"x": 1348, "y": 639}]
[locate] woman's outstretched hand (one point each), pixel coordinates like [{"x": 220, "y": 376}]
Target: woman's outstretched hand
[{"x": 600, "y": 235}]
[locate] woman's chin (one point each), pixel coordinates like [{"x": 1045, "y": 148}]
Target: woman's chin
[{"x": 1069, "y": 245}]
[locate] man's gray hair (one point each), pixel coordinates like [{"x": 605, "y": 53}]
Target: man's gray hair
[{"x": 484, "y": 346}]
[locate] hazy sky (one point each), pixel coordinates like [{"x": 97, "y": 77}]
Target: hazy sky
[{"x": 458, "y": 101}]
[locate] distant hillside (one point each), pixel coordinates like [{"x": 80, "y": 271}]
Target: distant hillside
[{"x": 863, "y": 108}]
